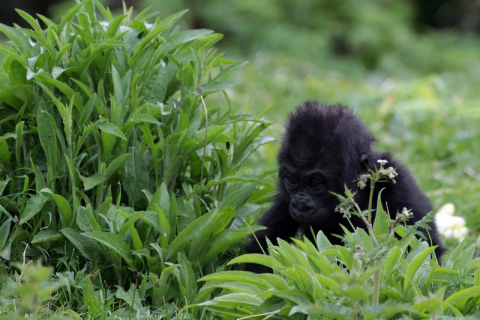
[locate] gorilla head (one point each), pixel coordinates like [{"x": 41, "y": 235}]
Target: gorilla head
[{"x": 324, "y": 149}]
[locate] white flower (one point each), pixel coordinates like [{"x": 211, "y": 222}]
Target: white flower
[
  {"x": 448, "y": 224},
  {"x": 382, "y": 162}
]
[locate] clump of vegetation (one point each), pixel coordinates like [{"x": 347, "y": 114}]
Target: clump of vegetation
[{"x": 111, "y": 156}]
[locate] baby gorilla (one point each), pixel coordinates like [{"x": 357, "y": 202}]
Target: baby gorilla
[{"x": 326, "y": 148}]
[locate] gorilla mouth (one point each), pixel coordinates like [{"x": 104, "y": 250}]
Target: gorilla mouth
[{"x": 303, "y": 214}]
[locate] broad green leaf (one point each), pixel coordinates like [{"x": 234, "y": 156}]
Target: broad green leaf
[
  {"x": 323, "y": 309},
  {"x": 46, "y": 235},
  {"x": 235, "y": 299},
  {"x": 114, "y": 25},
  {"x": 258, "y": 258},
  {"x": 92, "y": 181},
  {"x": 225, "y": 240},
  {"x": 116, "y": 164},
  {"x": 4, "y": 232},
  {"x": 466, "y": 256},
  {"x": 145, "y": 118},
  {"x": 185, "y": 36},
  {"x": 184, "y": 237},
  {"x": 88, "y": 248},
  {"x": 476, "y": 279},
  {"x": 188, "y": 277},
  {"x": 5, "y": 153},
  {"x": 392, "y": 259},
  {"x": 238, "y": 197},
  {"x": 111, "y": 129},
  {"x": 241, "y": 276},
  {"x": 49, "y": 142},
  {"x": 458, "y": 296},
  {"x": 292, "y": 296},
  {"x": 414, "y": 265},
  {"x": 33, "y": 207},
  {"x": 137, "y": 176},
  {"x": 62, "y": 204},
  {"x": 217, "y": 86},
  {"x": 381, "y": 225},
  {"x": 130, "y": 220},
  {"x": 31, "y": 20},
  {"x": 113, "y": 242}
]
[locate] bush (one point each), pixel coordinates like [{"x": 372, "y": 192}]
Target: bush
[{"x": 112, "y": 154}]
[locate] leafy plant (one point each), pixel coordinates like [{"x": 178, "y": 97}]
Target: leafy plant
[
  {"x": 386, "y": 273},
  {"x": 111, "y": 153},
  {"x": 28, "y": 290}
]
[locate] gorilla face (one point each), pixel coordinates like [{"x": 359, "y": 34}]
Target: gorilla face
[{"x": 310, "y": 199}]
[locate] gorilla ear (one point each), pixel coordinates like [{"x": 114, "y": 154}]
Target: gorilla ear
[{"x": 364, "y": 160}]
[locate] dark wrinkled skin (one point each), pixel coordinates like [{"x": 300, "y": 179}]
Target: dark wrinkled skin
[{"x": 326, "y": 148}]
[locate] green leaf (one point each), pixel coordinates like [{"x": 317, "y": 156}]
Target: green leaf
[
  {"x": 185, "y": 36},
  {"x": 215, "y": 86},
  {"x": 461, "y": 295},
  {"x": 381, "y": 225},
  {"x": 258, "y": 258},
  {"x": 184, "y": 237},
  {"x": 235, "y": 299},
  {"x": 392, "y": 259},
  {"x": 114, "y": 242},
  {"x": 93, "y": 181},
  {"x": 48, "y": 140},
  {"x": 88, "y": 248},
  {"x": 62, "y": 204},
  {"x": 414, "y": 265},
  {"x": 225, "y": 240},
  {"x": 323, "y": 309},
  {"x": 239, "y": 196},
  {"x": 33, "y": 207},
  {"x": 110, "y": 128},
  {"x": 46, "y": 235},
  {"x": 465, "y": 257},
  {"x": 4, "y": 233},
  {"x": 240, "y": 276},
  {"x": 116, "y": 164}
]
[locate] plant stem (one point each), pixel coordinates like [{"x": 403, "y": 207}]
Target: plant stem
[
  {"x": 376, "y": 283},
  {"x": 206, "y": 137},
  {"x": 370, "y": 201}
]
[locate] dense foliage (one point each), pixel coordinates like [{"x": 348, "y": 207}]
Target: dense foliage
[{"x": 112, "y": 157}]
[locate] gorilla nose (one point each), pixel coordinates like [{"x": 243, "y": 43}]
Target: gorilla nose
[{"x": 300, "y": 205}]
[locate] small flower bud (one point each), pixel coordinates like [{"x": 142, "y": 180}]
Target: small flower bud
[
  {"x": 105, "y": 284},
  {"x": 407, "y": 213},
  {"x": 200, "y": 91},
  {"x": 382, "y": 162},
  {"x": 362, "y": 181}
]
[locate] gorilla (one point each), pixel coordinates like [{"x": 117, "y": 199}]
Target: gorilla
[{"x": 326, "y": 148}]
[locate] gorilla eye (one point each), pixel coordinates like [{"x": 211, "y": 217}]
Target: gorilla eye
[
  {"x": 314, "y": 184},
  {"x": 290, "y": 179}
]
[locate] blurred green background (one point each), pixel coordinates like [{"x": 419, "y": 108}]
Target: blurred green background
[{"x": 409, "y": 69}]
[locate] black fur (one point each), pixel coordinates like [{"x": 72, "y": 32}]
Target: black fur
[{"x": 324, "y": 149}]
